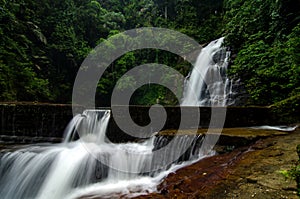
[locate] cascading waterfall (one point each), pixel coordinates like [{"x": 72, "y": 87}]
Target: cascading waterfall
[
  {"x": 207, "y": 84},
  {"x": 51, "y": 171},
  {"x": 87, "y": 163},
  {"x": 90, "y": 165}
]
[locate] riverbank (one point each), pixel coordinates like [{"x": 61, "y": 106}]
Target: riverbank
[{"x": 246, "y": 172}]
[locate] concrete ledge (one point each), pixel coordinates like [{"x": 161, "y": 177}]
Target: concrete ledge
[
  {"x": 50, "y": 120},
  {"x": 34, "y": 119},
  {"x": 235, "y": 117}
]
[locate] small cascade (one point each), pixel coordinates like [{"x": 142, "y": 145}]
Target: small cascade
[
  {"x": 87, "y": 163},
  {"x": 92, "y": 125},
  {"x": 208, "y": 84}
]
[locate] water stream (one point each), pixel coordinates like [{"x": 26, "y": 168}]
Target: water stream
[
  {"x": 90, "y": 165},
  {"x": 208, "y": 84},
  {"x": 87, "y": 163}
]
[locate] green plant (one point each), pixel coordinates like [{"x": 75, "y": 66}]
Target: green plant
[{"x": 294, "y": 172}]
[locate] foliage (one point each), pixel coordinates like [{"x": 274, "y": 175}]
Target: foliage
[
  {"x": 287, "y": 111},
  {"x": 20, "y": 76},
  {"x": 294, "y": 172},
  {"x": 264, "y": 35},
  {"x": 44, "y": 42}
]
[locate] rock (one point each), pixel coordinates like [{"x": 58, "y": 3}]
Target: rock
[
  {"x": 251, "y": 179},
  {"x": 243, "y": 174}
]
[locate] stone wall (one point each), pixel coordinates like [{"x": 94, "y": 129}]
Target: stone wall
[
  {"x": 19, "y": 122},
  {"x": 235, "y": 117},
  {"x": 25, "y": 120}
]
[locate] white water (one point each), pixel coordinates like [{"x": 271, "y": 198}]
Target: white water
[
  {"x": 87, "y": 163},
  {"x": 208, "y": 85},
  {"x": 91, "y": 165},
  {"x": 277, "y": 128}
]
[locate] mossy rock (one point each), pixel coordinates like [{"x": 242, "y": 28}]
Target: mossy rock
[
  {"x": 296, "y": 171},
  {"x": 287, "y": 111},
  {"x": 298, "y": 151}
]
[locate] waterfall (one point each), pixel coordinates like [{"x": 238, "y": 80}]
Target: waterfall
[
  {"x": 86, "y": 163},
  {"x": 92, "y": 124},
  {"x": 207, "y": 84}
]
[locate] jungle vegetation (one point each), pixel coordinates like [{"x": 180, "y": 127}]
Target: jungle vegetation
[{"x": 43, "y": 44}]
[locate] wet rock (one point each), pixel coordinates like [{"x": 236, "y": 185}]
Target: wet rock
[
  {"x": 251, "y": 179},
  {"x": 252, "y": 173}
]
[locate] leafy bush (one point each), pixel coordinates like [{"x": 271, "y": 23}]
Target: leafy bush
[{"x": 264, "y": 36}]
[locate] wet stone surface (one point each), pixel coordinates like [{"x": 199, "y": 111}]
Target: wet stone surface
[
  {"x": 251, "y": 171},
  {"x": 246, "y": 172}
]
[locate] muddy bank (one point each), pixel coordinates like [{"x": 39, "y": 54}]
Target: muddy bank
[{"x": 246, "y": 172}]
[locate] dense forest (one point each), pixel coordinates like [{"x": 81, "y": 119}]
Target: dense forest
[{"x": 43, "y": 44}]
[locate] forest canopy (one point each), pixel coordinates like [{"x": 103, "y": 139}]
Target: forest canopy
[{"x": 43, "y": 44}]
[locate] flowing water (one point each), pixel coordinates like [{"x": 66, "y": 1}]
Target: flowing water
[
  {"x": 87, "y": 163},
  {"x": 208, "y": 84},
  {"x": 91, "y": 165}
]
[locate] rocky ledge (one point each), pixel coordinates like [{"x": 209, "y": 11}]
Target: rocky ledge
[{"x": 246, "y": 172}]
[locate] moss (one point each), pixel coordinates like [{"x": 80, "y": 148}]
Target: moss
[
  {"x": 287, "y": 111},
  {"x": 295, "y": 172}
]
